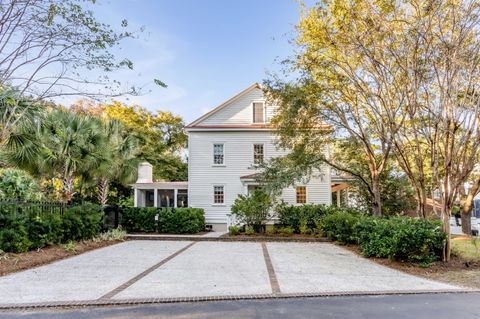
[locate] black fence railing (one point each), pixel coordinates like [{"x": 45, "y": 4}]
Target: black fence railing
[{"x": 23, "y": 207}]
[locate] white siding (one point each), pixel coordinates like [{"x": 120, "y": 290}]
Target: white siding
[
  {"x": 238, "y": 112},
  {"x": 238, "y": 146}
]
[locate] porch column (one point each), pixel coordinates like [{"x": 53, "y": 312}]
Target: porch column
[
  {"x": 135, "y": 199},
  {"x": 155, "y": 197},
  {"x": 175, "y": 191},
  {"x": 338, "y": 198}
]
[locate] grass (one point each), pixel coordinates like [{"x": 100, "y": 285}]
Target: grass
[{"x": 466, "y": 248}]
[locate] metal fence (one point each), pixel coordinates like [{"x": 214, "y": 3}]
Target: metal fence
[{"x": 23, "y": 207}]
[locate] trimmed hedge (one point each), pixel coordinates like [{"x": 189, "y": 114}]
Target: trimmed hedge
[
  {"x": 22, "y": 232},
  {"x": 308, "y": 215},
  {"x": 398, "y": 238},
  {"x": 171, "y": 220}
]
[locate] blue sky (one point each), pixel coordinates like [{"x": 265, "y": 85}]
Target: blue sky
[{"x": 205, "y": 50}]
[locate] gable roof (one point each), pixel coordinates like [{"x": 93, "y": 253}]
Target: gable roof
[{"x": 223, "y": 105}]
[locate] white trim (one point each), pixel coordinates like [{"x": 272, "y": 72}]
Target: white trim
[
  {"x": 213, "y": 194},
  {"x": 234, "y": 129},
  {"x": 135, "y": 197},
  {"x": 175, "y": 192},
  {"x": 306, "y": 194},
  {"x": 224, "y": 104},
  {"x": 253, "y": 152},
  {"x": 155, "y": 197},
  {"x": 263, "y": 101},
  {"x": 213, "y": 154}
]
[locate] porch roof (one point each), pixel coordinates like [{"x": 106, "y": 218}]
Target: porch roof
[{"x": 161, "y": 185}]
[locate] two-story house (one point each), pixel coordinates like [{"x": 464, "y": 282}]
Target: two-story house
[{"x": 223, "y": 147}]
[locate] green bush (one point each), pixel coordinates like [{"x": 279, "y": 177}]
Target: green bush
[
  {"x": 252, "y": 210},
  {"x": 401, "y": 238},
  {"x": 303, "y": 218},
  {"x": 30, "y": 229},
  {"x": 170, "y": 220},
  {"x": 139, "y": 219},
  {"x": 342, "y": 226},
  {"x": 398, "y": 238},
  {"x": 44, "y": 230},
  {"x": 181, "y": 221},
  {"x": 234, "y": 230},
  {"x": 288, "y": 230}
]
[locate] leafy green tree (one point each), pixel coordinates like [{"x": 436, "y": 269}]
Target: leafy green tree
[
  {"x": 160, "y": 136},
  {"x": 16, "y": 183}
]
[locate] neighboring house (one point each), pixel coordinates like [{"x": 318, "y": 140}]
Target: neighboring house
[{"x": 223, "y": 147}]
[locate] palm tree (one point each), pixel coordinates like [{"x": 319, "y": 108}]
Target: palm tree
[
  {"x": 119, "y": 161},
  {"x": 67, "y": 146}
]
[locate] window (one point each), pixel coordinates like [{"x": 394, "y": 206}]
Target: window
[
  {"x": 301, "y": 194},
  {"x": 218, "y": 195},
  {"x": 258, "y": 154},
  {"x": 182, "y": 198},
  {"x": 218, "y": 154},
  {"x": 258, "y": 116}
]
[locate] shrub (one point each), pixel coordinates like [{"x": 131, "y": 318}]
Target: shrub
[
  {"x": 397, "y": 238},
  {"x": 341, "y": 226},
  {"x": 112, "y": 234},
  {"x": 170, "y": 220},
  {"x": 402, "y": 238},
  {"x": 252, "y": 210},
  {"x": 234, "y": 230},
  {"x": 181, "y": 220},
  {"x": 288, "y": 230},
  {"x": 13, "y": 234},
  {"x": 44, "y": 230},
  {"x": 81, "y": 222},
  {"x": 309, "y": 215},
  {"x": 16, "y": 183},
  {"x": 139, "y": 219},
  {"x": 249, "y": 230}
]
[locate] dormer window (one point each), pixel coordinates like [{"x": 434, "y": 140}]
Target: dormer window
[{"x": 258, "y": 112}]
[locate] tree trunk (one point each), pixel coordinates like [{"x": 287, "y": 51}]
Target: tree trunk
[
  {"x": 67, "y": 191},
  {"x": 102, "y": 188},
  {"x": 467, "y": 223},
  {"x": 377, "y": 200},
  {"x": 466, "y": 201},
  {"x": 446, "y": 229}
]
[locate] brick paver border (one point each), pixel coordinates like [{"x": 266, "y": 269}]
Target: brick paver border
[
  {"x": 130, "y": 282},
  {"x": 143, "y": 301},
  {"x": 271, "y": 271}
]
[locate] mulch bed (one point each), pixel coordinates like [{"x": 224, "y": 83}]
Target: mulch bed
[
  {"x": 10, "y": 262},
  {"x": 271, "y": 235}
]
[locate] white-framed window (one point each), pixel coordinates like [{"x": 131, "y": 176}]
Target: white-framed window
[
  {"x": 258, "y": 112},
  {"x": 218, "y": 194},
  {"x": 258, "y": 153},
  {"x": 218, "y": 154},
  {"x": 301, "y": 194}
]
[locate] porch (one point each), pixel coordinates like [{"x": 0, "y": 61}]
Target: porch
[{"x": 161, "y": 194}]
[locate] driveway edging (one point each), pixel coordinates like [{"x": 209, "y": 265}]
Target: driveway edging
[
  {"x": 140, "y": 301},
  {"x": 227, "y": 239}
]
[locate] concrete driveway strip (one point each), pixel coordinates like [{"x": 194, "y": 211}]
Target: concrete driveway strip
[
  {"x": 207, "y": 269},
  {"x": 88, "y": 276},
  {"x": 321, "y": 267}
]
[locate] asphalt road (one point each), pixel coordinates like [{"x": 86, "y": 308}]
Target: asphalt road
[{"x": 437, "y": 306}]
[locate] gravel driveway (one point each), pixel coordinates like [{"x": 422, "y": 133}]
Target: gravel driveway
[{"x": 139, "y": 269}]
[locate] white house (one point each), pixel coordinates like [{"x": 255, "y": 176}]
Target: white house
[{"x": 223, "y": 146}]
